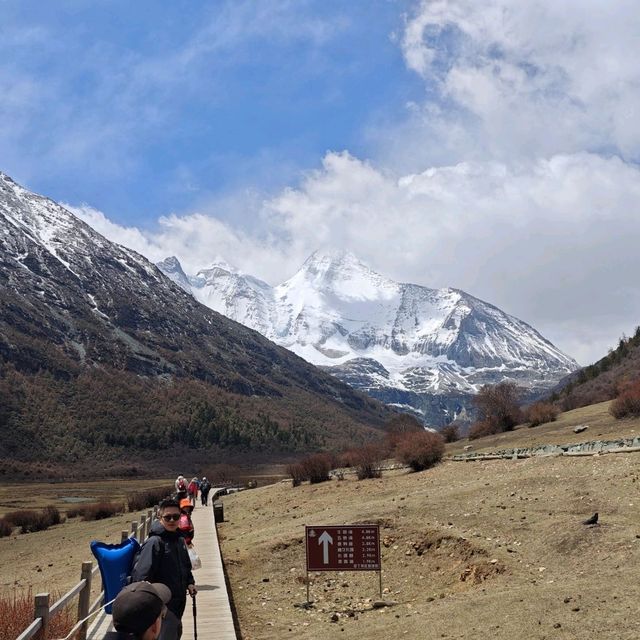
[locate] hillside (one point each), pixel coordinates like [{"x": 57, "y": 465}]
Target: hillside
[
  {"x": 604, "y": 379},
  {"x": 103, "y": 358},
  {"x": 479, "y": 549}
]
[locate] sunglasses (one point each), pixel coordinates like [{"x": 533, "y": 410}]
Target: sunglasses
[{"x": 172, "y": 517}]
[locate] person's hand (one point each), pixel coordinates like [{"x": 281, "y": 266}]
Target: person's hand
[{"x": 192, "y": 590}]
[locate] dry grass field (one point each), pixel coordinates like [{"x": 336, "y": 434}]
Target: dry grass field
[
  {"x": 602, "y": 426},
  {"x": 491, "y": 549},
  {"x": 50, "y": 560},
  {"x": 470, "y": 549}
]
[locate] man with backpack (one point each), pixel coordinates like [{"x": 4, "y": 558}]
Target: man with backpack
[
  {"x": 164, "y": 558},
  {"x": 205, "y": 487}
]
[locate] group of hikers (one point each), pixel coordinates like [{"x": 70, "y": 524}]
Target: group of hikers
[
  {"x": 185, "y": 489},
  {"x": 151, "y": 607}
]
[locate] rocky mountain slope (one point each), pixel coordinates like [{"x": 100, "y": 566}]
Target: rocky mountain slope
[
  {"x": 602, "y": 380},
  {"x": 102, "y": 355},
  {"x": 408, "y": 345}
]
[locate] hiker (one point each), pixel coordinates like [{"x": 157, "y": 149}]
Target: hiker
[
  {"x": 164, "y": 558},
  {"x": 138, "y": 611},
  {"x": 181, "y": 487},
  {"x": 193, "y": 490},
  {"x": 205, "y": 487},
  {"x": 185, "y": 524}
]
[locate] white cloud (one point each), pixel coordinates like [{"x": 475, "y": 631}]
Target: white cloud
[
  {"x": 525, "y": 79},
  {"x": 513, "y": 179},
  {"x": 552, "y": 242}
]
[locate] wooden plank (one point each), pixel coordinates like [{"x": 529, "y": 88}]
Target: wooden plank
[
  {"x": 31, "y": 630},
  {"x": 214, "y": 618},
  {"x": 66, "y": 597},
  {"x": 100, "y": 626}
]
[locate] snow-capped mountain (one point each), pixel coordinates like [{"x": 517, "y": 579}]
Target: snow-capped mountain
[
  {"x": 427, "y": 349},
  {"x": 100, "y": 324}
]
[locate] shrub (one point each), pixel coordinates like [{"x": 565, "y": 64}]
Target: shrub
[
  {"x": 541, "y": 413},
  {"x": 628, "y": 402},
  {"x": 480, "y": 430},
  {"x": 347, "y": 459},
  {"x": 96, "y": 511},
  {"x": 6, "y": 528},
  {"x": 74, "y": 512},
  {"x": 16, "y": 614},
  {"x": 29, "y": 520},
  {"x": 138, "y": 500},
  {"x": 52, "y": 515},
  {"x": 397, "y": 427},
  {"x": 101, "y": 510},
  {"x": 316, "y": 467},
  {"x": 367, "y": 461},
  {"x": 297, "y": 473},
  {"x": 420, "y": 450},
  {"x": 450, "y": 433},
  {"x": 498, "y": 406}
]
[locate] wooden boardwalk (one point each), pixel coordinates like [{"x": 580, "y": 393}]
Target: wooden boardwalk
[{"x": 214, "y": 618}]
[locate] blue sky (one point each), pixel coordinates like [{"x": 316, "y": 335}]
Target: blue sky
[
  {"x": 490, "y": 146},
  {"x": 142, "y": 109}
]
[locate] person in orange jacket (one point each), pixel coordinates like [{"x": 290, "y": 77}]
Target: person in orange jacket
[{"x": 185, "y": 524}]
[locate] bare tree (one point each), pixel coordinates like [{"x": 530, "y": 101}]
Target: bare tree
[{"x": 498, "y": 406}]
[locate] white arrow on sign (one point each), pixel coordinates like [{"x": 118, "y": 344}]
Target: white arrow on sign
[{"x": 325, "y": 539}]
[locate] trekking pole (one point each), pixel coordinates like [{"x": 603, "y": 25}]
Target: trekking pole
[{"x": 195, "y": 627}]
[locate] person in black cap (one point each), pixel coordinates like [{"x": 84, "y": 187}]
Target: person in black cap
[{"x": 138, "y": 611}]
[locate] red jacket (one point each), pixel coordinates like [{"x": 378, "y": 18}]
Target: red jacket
[{"x": 193, "y": 488}]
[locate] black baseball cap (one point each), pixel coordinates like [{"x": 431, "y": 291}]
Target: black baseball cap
[{"x": 138, "y": 605}]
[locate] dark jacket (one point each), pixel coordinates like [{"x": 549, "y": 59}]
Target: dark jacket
[
  {"x": 120, "y": 635},
  {"x": 164, "y": 558}
]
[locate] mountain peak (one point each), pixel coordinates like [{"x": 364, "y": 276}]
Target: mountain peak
[
  {"x": 172, "y": 268},
  {"x": 220, "y": 263},
  {"x": 344, "y": 274},
  {"x": 326, "y": 259}
]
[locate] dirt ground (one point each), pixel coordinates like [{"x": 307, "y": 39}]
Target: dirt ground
[
  {"x": 601, "y": 426},
  {"x": 470, "y": 549},
  {"x": 50, "y": 560}
]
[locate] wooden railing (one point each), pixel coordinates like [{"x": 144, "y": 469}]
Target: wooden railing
[{"x": 43, "y": 611}]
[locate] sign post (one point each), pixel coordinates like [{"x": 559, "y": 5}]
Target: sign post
[{"x": 343, "y": 548}]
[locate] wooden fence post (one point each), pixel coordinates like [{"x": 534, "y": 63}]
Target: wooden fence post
[
  {"x": 84, "y": 599},
  {"x": 123, "y": 536},
  {"x": 134, "y": 529},
  {"x": 143, "y": 529},
  {"x": 41, "y": 610}
]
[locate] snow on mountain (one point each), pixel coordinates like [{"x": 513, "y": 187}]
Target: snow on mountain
[
  {"x": 402, "y": 343},
  {"x": 172, "y": 268}
]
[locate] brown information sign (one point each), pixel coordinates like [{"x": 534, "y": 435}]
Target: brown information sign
[{"x": 343, "y": 548}]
